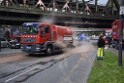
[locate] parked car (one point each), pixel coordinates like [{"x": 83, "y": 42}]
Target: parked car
[
  {"x": 14, "y": 44},
  {"x": 4, "y": 42}
]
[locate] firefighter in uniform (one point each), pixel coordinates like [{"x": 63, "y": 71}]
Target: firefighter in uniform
[{"x": 100, "y": 47}]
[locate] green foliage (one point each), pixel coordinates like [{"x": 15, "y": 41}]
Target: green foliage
[{"x": 107, "y": 70}]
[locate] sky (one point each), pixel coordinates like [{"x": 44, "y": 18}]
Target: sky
[
  {"x": 104, "y": 2},
  {"x": 100, "y": 2}
]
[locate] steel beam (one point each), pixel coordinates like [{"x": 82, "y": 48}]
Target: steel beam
[{"x": 111, "y": 3}]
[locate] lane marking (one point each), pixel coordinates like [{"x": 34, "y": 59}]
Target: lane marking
[{"x": 21, "y": 74}]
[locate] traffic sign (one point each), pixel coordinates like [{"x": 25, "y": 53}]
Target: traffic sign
[{"x": 121, "y": 10}]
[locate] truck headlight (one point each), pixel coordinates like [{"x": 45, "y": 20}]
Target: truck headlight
[
  {"x": 21, "y": 46},
  {"x": 18, "y": 44}
]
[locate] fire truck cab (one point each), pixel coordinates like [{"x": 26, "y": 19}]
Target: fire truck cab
[{"x": 37, "y": 38}]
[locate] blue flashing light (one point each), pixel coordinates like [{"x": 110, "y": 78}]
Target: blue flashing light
[{"x": 34, "y": 24}]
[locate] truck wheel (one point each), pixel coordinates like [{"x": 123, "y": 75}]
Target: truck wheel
[{"x": 49, "y": 51}]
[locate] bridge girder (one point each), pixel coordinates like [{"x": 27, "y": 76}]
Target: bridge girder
[
  {"x": 73, "y": 5},
  {"x": 31, "y": 13},
  {"x": 111, "y": 7}
]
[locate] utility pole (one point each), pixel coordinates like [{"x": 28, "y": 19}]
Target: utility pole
[{"x": 121, "y": 33}]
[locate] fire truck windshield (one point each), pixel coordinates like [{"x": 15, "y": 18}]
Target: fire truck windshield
[{"x": 29, "y": 30}]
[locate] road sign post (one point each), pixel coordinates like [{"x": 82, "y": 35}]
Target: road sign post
[{"x": 121, "y": 34}]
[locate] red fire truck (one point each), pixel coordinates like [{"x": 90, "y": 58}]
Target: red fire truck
[
  {"x": 115, "y": 33},
  {"x": 37, "y": 38}
]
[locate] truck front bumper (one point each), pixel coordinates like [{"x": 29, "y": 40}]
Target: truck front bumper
[{"x": 32, "y": 49}]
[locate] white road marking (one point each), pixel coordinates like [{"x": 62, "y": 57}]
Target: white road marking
[{"x": 21, "y": 74}]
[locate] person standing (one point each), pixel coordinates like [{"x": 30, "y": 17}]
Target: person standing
[{"x": 100, "y": 47}]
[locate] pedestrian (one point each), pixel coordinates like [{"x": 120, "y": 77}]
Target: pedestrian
[{"x": 100, "y": 47}]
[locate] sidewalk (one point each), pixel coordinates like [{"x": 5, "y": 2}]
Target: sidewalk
[
  {"x": 88, "y": 64},
  {"x": 116, "y": 51}
]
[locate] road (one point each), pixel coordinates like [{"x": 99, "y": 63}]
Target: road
[{"x": 72, "y": 66}]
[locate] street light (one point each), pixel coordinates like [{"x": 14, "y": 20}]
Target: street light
[{"x": 121, "y": 34}]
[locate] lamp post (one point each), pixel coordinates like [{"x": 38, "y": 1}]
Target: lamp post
[{"x": 121, "y": 34}]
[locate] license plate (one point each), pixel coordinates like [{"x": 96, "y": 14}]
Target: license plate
[{"x": 28, "y": 47}]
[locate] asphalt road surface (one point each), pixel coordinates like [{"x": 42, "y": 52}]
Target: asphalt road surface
[{"x": 72, "y": 66}]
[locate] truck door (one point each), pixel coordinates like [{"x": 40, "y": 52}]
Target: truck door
[{"x": 45, "y": 33}]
